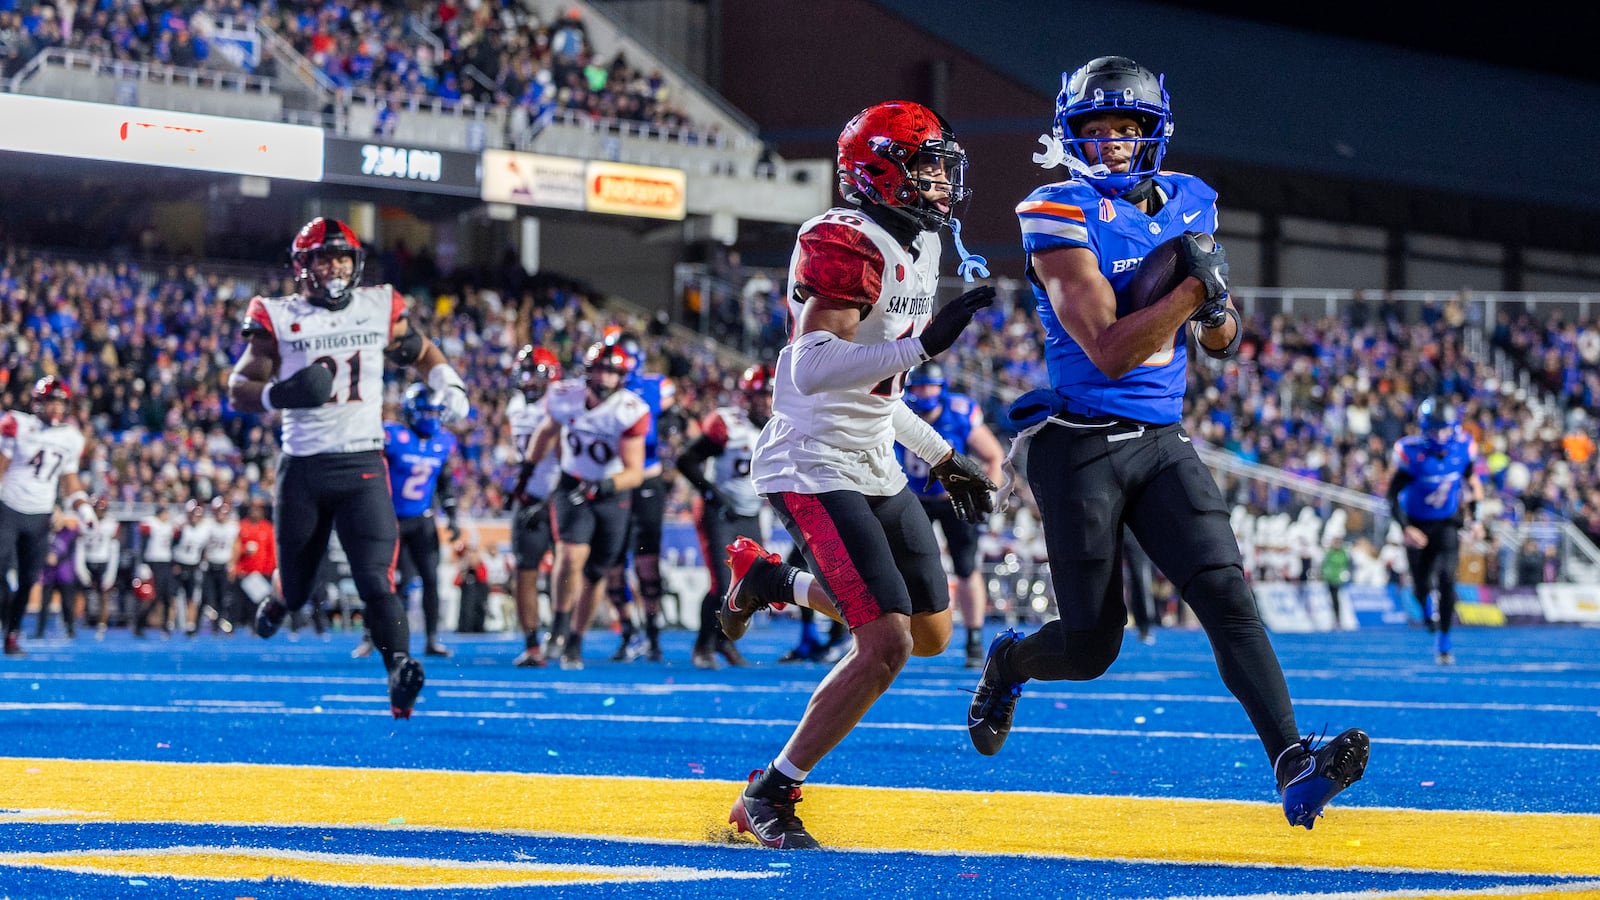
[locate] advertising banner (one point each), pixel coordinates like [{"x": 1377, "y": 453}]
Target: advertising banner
[
  {"x": 529, "y": 179},
  {"x": 158, "y": 137}
]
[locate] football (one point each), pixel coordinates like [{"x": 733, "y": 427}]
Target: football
[{"x": 1161, "y": 270}]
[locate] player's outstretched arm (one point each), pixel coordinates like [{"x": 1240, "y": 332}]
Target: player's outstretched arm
[{"x": 408, "y": 346}]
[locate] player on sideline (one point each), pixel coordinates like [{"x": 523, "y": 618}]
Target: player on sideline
[
  {"x": 318, "y": 356},
  {"x": 1107, "y": 444},
  {"x": 531, "y": 538},
  {"x": 1433, "y": 491},
  {"x": 39, "y": 455},
  {"x": 861, "y": 293}
]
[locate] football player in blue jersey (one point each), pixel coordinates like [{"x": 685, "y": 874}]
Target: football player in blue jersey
[
  {"x": 959, "y": 420},
  {"x": 649, "y": 508},
  {"x": 1107, "y": 444},
  {"x": 418, "y": 454},
  {"x": 1433, "y": 491}
]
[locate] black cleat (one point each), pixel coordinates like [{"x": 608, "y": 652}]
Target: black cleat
[
  {"x": 269, "y": 615},
  {"x": 1309, "y": 779},
  {"x": 14, "y": 644},
  {"x": 739, "y": 605},
  {"x": 994, "y": 702},
  {"x": 730, "y": 652},
  {"x": 772, "y": 822},
  {"x": 405, "y": 683}
]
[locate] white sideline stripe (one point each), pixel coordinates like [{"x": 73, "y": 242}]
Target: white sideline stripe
[
  {"x": 375, "y": 700},
  {"x": 1563, "y": 887}
]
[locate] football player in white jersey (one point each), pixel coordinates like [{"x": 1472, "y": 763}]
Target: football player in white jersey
[
  {"x": 728, "y": 504},
  {"x": 531, "y": 536},
  {"x": 601, "y": 427},
  {"x": 861, "y": 292},
  {"x": 158, "y": 533},
  {"x": 318, "y": 355},
  {"x": 189, "y": 556},
  {"x": 39, "y": 454},
  {"x": 217, "y": 590},
  {"x": 94, "y": 561}
]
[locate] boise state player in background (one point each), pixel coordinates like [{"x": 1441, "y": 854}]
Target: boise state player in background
[
  {"x": 318, "y": 355},
  {"x": 959, "y": 420},
  {"x": 729, "y": 505},
  {"x": 419, "y": 453},
  {"x": 1432, "y": 492},
  {"x": 1107, "y": 444},
  {"x": 649, "y": 506}
]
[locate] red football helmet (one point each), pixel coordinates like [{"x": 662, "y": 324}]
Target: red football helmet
[
  {"x": 604, "y": 357},
  {"x": 756, "y": 380},
  {"x": 45, "y": 390},
  {"x": 536, "y": 368},
  {"x": 329, "y": 237},
  {"x": 878, "y": 155}
]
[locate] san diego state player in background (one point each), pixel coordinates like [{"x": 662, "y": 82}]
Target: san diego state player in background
[
  {"x": 601, "y": 428},
  {"x": 318, "y": 356},
  {"x": 1433, "y": 491},
  {"x": 1108, "y": 446},
  {"x": 419, "y": 454},
  {"x": 861, "y": 291},
  {"x": 729, "y": 505},
  {"x": 39, "y": 454},
  {"x": 649, "y": 505},
  {"x": 959, "y": 421},
  {"x": 531, "y": 537}
]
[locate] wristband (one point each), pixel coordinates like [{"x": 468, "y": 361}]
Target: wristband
[
  {"x": 266, "y": 397},
  {"x": 77, "y": 498}
]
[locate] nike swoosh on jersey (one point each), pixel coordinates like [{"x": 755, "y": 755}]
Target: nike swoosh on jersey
[{"x": 1191, "y": 217}]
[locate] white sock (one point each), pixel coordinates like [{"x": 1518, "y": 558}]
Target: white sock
[
  {"x": 802, "y": 588},
  {"x": 782, "y": 766}
]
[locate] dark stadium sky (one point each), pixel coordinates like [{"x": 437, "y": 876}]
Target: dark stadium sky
[{"x": 1539, "y": 40}]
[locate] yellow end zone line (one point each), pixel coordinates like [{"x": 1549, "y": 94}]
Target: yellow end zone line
[{"x": 842, "y": 817}]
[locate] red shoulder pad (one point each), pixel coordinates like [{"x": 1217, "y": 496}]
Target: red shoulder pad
[
  {"x": 397, "y": 309},
  {"x": 639, "y": 428},
  {"x": 715, "y": 428},
  {"x": 840, "y": 263},
  {"x": 257, "y": 319},
  {"x": 8, "y": 426}
]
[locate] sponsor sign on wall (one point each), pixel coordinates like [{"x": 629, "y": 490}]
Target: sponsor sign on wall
[
  {"x": 158, "y": 137},
  {"x": 1570, "y": 602},
  {"x": 596, "y": 186}
]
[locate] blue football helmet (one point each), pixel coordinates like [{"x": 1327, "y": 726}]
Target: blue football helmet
[
  {"x": 924, "y": 402},
  {"x": 420, "y": 411},
  {"x": 1115, "y": 84},
  {"x": 630, "y": 344},
  {"x": 1438, "y": 419}
]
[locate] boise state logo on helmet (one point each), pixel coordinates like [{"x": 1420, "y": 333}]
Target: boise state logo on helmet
[
  {"x": 1113, "y": 84},
  {"x": 421, "y": 411},
  {"x": 326, "y": 240},
  {"x": 929, "y": 377},
  {"x": 881, "y": 152}
]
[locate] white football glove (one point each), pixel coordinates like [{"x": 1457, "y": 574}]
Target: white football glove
[{"x": 450, "y": 393}]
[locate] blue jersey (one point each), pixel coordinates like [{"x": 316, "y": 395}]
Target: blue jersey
[
  {"x": 958, "y": 415},
  {"x": 656, "y": 391},
  {"x": 414, "y": 467},
  {"x": 1074, "y": 214},
  {"x": 1438, "y": 473}
]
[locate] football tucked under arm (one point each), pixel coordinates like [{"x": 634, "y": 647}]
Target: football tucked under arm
[{"x": 1169, "y": 263}]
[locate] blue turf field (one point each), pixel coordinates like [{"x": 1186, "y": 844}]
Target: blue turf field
[{"x": 1511, "y": 729}]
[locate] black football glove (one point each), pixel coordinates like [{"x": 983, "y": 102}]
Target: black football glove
[
  {"x": 306, "y": 389},
  {"x": 947, "y": 324},
  {"x": 970, "y": 490},
  {"x": 1211, "y": 315},
  {"x": 592, "y": 490},
  {"x": 1204, "y": 259}
]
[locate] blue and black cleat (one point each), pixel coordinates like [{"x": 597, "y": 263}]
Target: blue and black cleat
[
  {"x": 1313, "y": 776},
  {"x": 994, "y": 701}
]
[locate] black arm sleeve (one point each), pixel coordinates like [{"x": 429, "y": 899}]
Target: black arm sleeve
[
  {"x": 1397, "y": 483},
  {"x": 692, "y": 461},
  {"x": 406, "y": 348}
]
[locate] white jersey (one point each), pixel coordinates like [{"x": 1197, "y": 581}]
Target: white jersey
[
  {"x": 190, "y": 547},
  {"x": 98, "y": 542},
  {"x": 730, "y": 428},
  {"x": 844, "y": 439},
  {"x": 591, "y": 439},
  {"x": 40, "y": 454},
  {"x": 526, "y": 419},
  {"x": 159, "y": 535},
  {"x": 219, "y": 542},
  {"x": 348, "y": 341}
]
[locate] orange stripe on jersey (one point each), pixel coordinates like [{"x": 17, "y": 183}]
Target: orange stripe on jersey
[{"x": 1050, "y": 208}]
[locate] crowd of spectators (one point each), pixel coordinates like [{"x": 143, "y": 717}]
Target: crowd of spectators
[{"x": 183, "y": 34}]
